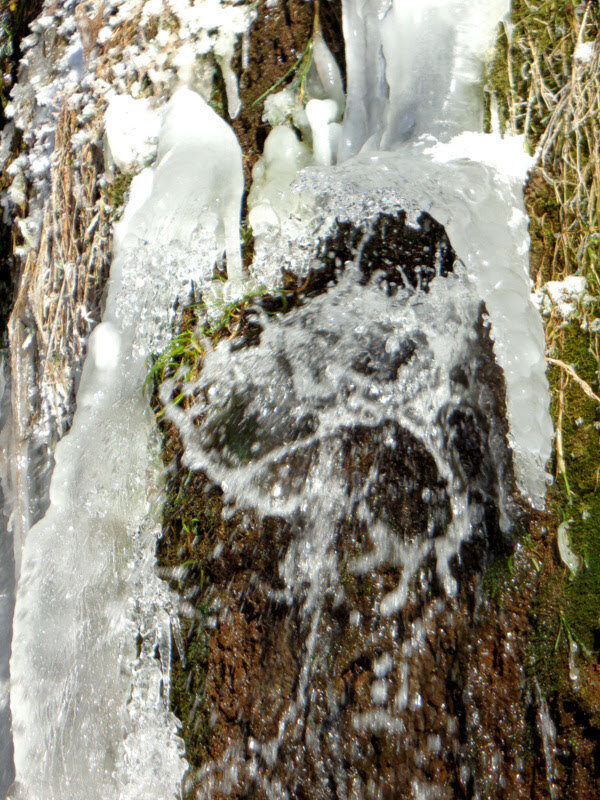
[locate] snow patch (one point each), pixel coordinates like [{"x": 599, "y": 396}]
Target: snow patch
[{"x": 562, "y": 296}]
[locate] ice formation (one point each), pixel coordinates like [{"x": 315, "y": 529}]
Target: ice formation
[
  {"x": 215, "y": 26},
  {"x": 270, "y": 201},
  {"x": 411, "y": 137},
  {"x": 270, "y": 198},
  {"x": 414, "y": 68},
  {"x": 324, "y": 79},
  {"x": 88, "y": 585},
  {"x": 321, "y": 115},
  {"x": 201, "y": 149}
]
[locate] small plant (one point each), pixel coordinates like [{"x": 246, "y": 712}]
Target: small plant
[
  {"x": 230, "y": 314},
  {"x": 115, "y": 192},
  {"x": 184, "y": 350},
  {"x": 183, "y": 356},
  {"x": 299, "y": 69}
]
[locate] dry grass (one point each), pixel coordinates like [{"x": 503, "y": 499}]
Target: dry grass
[
  {"x": 553, "y": 98},
  {"x": 61, "y": 281},
  {"x": 89, "y": 25},
  {"x": 58, "y": 295}
]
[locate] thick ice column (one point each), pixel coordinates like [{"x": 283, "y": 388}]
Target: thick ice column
[
  {"x": 414, "y": 68},
  {"x": 199, "y": 162},
  {"x": 366, "y": 87}
]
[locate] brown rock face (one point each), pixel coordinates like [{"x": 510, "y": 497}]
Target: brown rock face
[{"x": 337, "y": 642}]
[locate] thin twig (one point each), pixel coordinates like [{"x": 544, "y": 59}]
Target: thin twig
[{"x": 585, "y": 387}]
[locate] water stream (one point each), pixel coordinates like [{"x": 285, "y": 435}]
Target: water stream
[{"x": 422, "y": 228}]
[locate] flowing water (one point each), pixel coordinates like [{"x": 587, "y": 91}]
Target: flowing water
[{"x": 384, "y": 372}]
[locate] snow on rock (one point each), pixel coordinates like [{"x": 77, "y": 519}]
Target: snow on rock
[{"x": 562, "y": 296}]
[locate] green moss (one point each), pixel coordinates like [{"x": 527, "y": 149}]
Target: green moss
[
  {"x": 496, "y": 579},
  {"x": 115, "y": 193},
  {"x": 192, "y": 523},
  {"x": 546, "y": 661},
  {"x": 537, "y": 35},
  {"x": 188, "y": 689},
  {"x": 568, "y": 607}
]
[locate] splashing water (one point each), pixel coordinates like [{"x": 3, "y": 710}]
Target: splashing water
[{"x": 368, "y": 424}]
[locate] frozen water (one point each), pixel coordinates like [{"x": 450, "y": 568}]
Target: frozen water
[
  {"x": 324, "y": 79},
  {"x": 7, "y": 596},
  {"x": 88, "y": 585},
  {"x": 199, "y": 158},
  {"x": 270, "y": 200},
  {"x": 414, "y": 68},
  {"x": 132, "y": 129}
]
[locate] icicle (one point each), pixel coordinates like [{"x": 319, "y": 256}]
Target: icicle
[
  {"x": 325, "y": 78},
  {"x": 224, "y": 53},
  {"x": 320, "y": 114}
]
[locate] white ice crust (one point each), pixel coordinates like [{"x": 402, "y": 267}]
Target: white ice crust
[{"x": 132, "y": 129}]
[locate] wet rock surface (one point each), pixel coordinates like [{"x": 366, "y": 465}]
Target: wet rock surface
[{"x": 338, "y": 639}]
